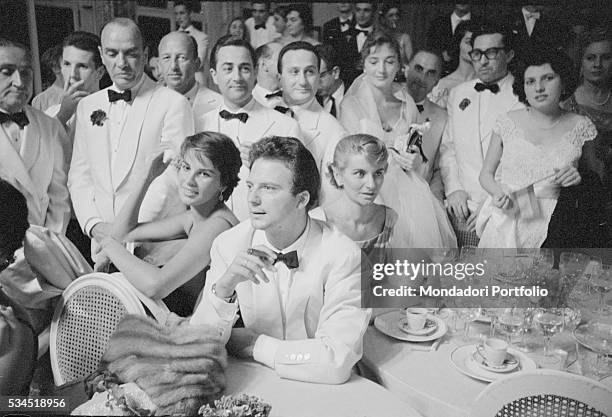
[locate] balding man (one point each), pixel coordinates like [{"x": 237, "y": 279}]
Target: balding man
[
  {"x": 118, "y": 128},
  {"x": 267, "y": 90}
]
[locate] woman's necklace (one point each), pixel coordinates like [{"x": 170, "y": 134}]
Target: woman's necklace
[
  {"x": 603, "y": 103},
  {"x": 551, "y": 126}
]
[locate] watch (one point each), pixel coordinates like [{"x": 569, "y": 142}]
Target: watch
[{"x": 230, "y": 299}]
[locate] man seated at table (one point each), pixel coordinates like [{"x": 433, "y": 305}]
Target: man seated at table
[{"x": 295, "y": 280}]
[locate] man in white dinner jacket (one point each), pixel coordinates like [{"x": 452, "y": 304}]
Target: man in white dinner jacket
[
  {"x": 295, "y": 280},
  {"x": 473, "y": 107},
  {"x": 118, "y": 128},
  {"x": 298, "y": 66},
  {"x": 241, "y": 117}
]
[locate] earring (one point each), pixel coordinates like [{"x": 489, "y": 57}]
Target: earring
[{"x": 220, "y": 197}]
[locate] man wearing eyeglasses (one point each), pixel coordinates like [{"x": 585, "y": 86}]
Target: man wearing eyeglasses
[{"x": 473, "y": 107}]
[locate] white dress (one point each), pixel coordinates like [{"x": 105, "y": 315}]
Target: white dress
[
  {"x": 422, "y": 221},
  {"x": 523, "y": 163}
]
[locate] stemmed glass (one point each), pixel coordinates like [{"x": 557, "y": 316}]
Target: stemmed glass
[
  {"x": 510, "y": 322},
  {"x": 601, "y": 283},
  {"x": 468, "y": 314},
  {"x": 550, "y": 322},
  {"x": 527, "y": 323}
]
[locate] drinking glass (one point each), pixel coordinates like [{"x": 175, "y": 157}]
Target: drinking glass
[
  {"x": 526, "y": 326},
  {"x": 550, "y": 322},
  {"x": 468, "y": 315},
  {"x": 510, "y": 322},
  {"x": 601, "y": 283}
]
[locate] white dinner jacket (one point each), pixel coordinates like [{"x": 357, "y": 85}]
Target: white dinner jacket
[
  {"x": 321, "y": 337},
  {"x": 466, "y": 137},
  {"x": 205, "y": 101},
  {"x": 158, "y": 114},
  {"x": 262, "y": 122},
  {"x": 431, "y": 145},
  {"x": 38, "y": 171}
]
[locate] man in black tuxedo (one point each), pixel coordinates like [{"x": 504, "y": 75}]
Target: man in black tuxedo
[
  {"x": 442, "y": 28},
  {"x": 338, "y": 32}
]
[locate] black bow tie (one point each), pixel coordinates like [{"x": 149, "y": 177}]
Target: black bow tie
[
  {"x": 321, "y": 101},
  {"x": 115, "y": 96},
  {"x": 420, "y": 108},
  {"x": 243, "y": 117},
  {"x": 284, "y": 110},
  {"x": 494, "y": 88},
  {"x": 365, "y": 32},
  {"x": 278, "y": 93},
  {"x": 262, "y": 26},
  {"x": 20, "y": 118},
  {"x": 290, "y": 259}
]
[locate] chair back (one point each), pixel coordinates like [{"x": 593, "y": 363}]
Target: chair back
[
  {"x": 86, "y": 316},
  {"x": 544, "y": 393}
]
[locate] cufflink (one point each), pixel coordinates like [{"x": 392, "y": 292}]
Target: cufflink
[{"x": 230, "y": 299}]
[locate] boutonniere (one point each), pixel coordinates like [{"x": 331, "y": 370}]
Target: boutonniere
[
  {"x": 464, "y": 103},
  {"x": 98, "y": 117}
]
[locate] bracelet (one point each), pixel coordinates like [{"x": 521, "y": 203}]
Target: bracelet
[{"x": 231, "y": 299}]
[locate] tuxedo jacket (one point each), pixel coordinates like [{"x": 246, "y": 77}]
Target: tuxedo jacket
[
  {"x": 345, "y": 46},
  {"x": 432, "y": 138},
  {"x": 38, "y": 170},
  {"x": 157, "y": 115},
  {"x": 546, "y": 31},
  {"x": 467, "y": 136},
  {"x": 262, "y": 122},
  {"x": 321, "y": 337},
  {"x": 440, "y": 33},
  {"x": 205, "y": 101}
]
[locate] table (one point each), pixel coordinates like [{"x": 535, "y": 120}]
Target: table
[
  {"x": 358, "y": 397},
  {"x": 429, "y": 380}
]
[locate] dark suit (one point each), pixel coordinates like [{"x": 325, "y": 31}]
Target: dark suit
[
  {"x": 440, "y": 34},
  {"x": 546, "y": 31},
  {"x": 345, "y": 45}
]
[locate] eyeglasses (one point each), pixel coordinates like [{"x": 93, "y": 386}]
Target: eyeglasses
[
  {"x": 491, "y": 53},
  {"x": 324, "y": 73}
]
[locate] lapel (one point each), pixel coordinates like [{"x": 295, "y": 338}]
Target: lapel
[
  {"x": 130, "y": 134},
  {"x": 503, "y": 102},
  {"x": 258, "y": 124},
  {"x": 13, "y": 169},
  {"x": 31, "y": 142}
]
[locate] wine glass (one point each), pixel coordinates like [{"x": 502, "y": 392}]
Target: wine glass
[
  {"x": 510, "y": 322},
  {"x": 468, "y": 314},
  {"x": 601, "y": 283},
  {"x": 550, "y": 322},
  {"x": 526, "y": 325}
]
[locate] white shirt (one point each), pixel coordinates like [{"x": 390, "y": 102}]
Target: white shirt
[
  {"x": 530, "y": 19},
  {"x": 361, "y": 37},
  {"x": 261, "y": 36},
  {"x": 484, "y": 101},
  {"x": 345, "y": 24},
  {"x": 259, "y": 94},
  {"x": 14, "y": 133},
  {"x": 455, "y": 20},
  {"x": 338, "y": 95},
  {"x": 234, "y": 127}
]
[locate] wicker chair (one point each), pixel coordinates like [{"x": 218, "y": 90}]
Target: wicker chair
[
  {"x": 86, "y": 316},
  {"x": 544, "y": 393}
]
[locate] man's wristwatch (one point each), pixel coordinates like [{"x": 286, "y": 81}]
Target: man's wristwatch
[{"x": 230, "y": 299}]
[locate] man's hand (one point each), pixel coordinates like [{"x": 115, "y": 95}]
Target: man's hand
[
  {"x": 241, "y": 342},
  {"x": 457, "y": 205},
  {"x": 408, "y": 161},
  {"x": 101, "y": 230},
  {"x": 244, "y": 154},
  {"x": 502, "y": 201},
  {"x": 247, "y": 266},
  {"x": 567, "y": 176},
  {"x": 70, "y": 98}
]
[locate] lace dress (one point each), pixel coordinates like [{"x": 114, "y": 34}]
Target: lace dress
[{"x": 524, "y": 163}]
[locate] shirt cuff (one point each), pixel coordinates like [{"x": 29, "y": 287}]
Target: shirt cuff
[
  {"x": 265, "y": 350},
  {"x": 90, "y": 224}
]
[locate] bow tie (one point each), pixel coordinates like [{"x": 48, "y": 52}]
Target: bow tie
[
  {"x": 420, "y": 108},
  {"x": 278, "y": 93},
  {"x": 290, "y": 259},
  {"x": 321, "y": 101},
  {"x": 534, "y": 15},
  {"x": 365, "y": 32},
  {"x": 284, "y": 110},
  {"x": 20, "y": 118},
  {"x": 115, "y": 96},
  {"x": 494, "y": 88},
  {"x": 262, "y": 26},
  {"x": 243, "y": 117}
]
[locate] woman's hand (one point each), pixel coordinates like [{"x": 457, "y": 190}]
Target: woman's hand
[
  {"x": 408, "y": 161},
  {"x": 502, "y": 201},
  {"x": 157, "y": 162},
  {"x": 567, "y": 176}
]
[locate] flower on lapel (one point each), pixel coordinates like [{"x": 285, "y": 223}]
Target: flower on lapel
[
  {"x": 464, "y": 103},
  {"x": 98, "y": 117}
]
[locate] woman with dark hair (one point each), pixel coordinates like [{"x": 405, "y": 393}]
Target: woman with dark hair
[
  {"x": 460, "y": 47},
  {"x": 280, "y": 20},
  {"x": 593, "y": 99},
  {"x": 537, "y": 149},
  {"x": 237, "y": 29},
  {"x": 18, "y": 343},
  {"x": 377, "y": 106},
  {"x": 207, "y": 174},
  {"x": 299, "y": 25},
  {"x": 390, "y": 14}
]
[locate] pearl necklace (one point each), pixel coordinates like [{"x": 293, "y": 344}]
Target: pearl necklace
[{"x": 603, "y": 103}]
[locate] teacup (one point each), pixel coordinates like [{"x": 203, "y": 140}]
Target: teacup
[
  {"x": 416, "y": 317},
  {"x": 494, "y": 351}
]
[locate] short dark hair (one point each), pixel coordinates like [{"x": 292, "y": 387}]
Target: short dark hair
[
  {"x": 432, "y": 52},
  {"x": 228, "y": 40},
  {"x": 297, "y": 158},
  {"x": 85, "y": 41},
  {"x": 188, "y": 5},
  {"x": 328, "y": 54},
  {"x": 541, "y": 54},
  {"x": 304, "y": 12},
  {"x": 6, "y": 43},
  {"x": 378, "y": 38},
  {"x": 13, "y": 218},
  {"x": 223, "y": 154},
  {"x": 460, "y": 31},
  {"x": 281, "y": 11},
  {"x": 297, "y": 46},
  {"x": 490, "y": 27}
]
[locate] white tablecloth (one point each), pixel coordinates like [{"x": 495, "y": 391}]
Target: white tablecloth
[{"x": 359, "y": 397}]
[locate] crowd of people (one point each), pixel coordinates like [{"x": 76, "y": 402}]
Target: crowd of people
[{"x": 258, "y": 200}]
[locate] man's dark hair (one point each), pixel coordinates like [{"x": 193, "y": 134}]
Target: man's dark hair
[
  {"x": 490, "y": 27},
  {"x": 297, "y": 158},
  {"x": 85, "y": 41},
  {"x": 297, "y": 46},
  {"x": 13, "y": 218},
  {"x": 541, "y": 54},
  {"x": 188, "y": 5},
  {"x": 305, "y": 14},
  {"x": 432, "y": 52},
  {"x": 328, "y": 54},
  {"x": 228, "y": 40}
]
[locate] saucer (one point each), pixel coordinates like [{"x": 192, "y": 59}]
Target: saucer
[
  {"x": 387, "y": 323},
  {"x": 509, "y": 364},
  {"x": 463, "y": 360},
  {"x": 430, "y": 326}
]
